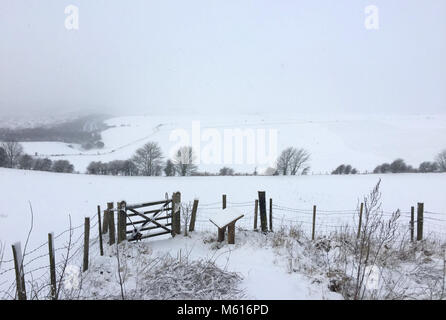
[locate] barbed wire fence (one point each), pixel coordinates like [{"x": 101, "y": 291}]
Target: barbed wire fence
[
  {"x": 326, "y": 220},
  {"x": 36, "y": 263}
]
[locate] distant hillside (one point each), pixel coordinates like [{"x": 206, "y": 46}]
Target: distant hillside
[{"x": 82, "y": 130}]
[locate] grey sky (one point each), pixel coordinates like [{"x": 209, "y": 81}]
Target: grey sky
[{"x": 238, "y": 56}]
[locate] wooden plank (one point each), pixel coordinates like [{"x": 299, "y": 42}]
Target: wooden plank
[
  {"x": 231, "y": 233},
  {"x": 105, "y": 225},
  {"x": 152, "y": 235},
  {"x": 137, "y": 213},
  {"x": 420, "y": 214},
  {"x": 111, "y": 228},
  {"x": 227, "y": 224},
  {"x": 101, "y": 246},
  {"x": 314, "y": 223},
  {"x": 221, "y": 234},
  {"x": 19, "y": 272},
  {"x": 121, "y": 222},
  {"x": 256, "y": 209},
  {"x": 193, "y": 216},
  {"x": 144, "y": 221},
  {"x": 176, "y": 213},
  {"x": 52, "y": 266},
  {"x": 86, "y": 243},
  {"x": 148, "y": 204},
  {"x": 149, "y": 228},
  {"x": 262, "y": 205},
  {"x": 271, "y": 214}
]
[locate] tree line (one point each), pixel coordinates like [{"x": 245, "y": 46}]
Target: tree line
[
  {"x": 149, "y": 161},
  {"x": 13, "y": 156},
  {"x": 400, "y": 166}
]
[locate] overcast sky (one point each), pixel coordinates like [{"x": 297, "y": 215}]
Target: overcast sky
[{"x": 231, "y": 55}]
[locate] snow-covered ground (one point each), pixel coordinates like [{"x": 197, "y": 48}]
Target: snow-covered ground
[
  {"x": 362, "y": 141},
  {"x": 55, "y": 196}
]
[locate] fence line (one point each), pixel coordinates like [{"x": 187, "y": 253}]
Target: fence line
[{"x": 74, "y": 248}]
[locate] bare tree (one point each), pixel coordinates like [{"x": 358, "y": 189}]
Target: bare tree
[
  {"x": 441, "y": 160},
  {"x": 3, "y": 157},
  {"x": 299, "y": 161},
  {"x": 13, "y": 151},
  {"x": 293, "y": 161},
  {"x": 148, "y": 159},
  {"x": 62, "y": 166},
  {"x": 226, "y": 171},
  {"x": 184, "y": 161},
  {"x": 169, "y": 168},
  {"x": 25, "y": 162}
]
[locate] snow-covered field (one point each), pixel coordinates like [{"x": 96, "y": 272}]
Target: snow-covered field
[
  {"x": 55, "y": 196},
  {"x": 362, "y": 141}
]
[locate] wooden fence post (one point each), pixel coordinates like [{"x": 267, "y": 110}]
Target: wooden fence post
[
  {"x": 256, "y": 209},
  {"x": 360, "y": 220},
  {"x": 314, "y": 223},
  {"x": 105, "y": 225},
  {"x": 19, "y": 272},
  {"x": 111, "y": 227},
  {"x": 86, "y": 243},
  {"x": 101, "y": 246},
  {"x": 270, "y": 214},
  {"x": 176, "y": 213},
  {"x": 231, "y": 233},
  {"x": 224, "y": 201},
  {"x": 122, "y": 221},
  {"x": 262, "y": 205},
  {"x": 420, "y": 214},
  {"x": 52, "y": 266},
  {"x": 412, "y": 223},
  {"x": 193, "y": 216}
]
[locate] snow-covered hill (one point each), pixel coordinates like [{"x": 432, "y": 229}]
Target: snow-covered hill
[
  {"x": 56, "y": 196},
  {"x": 362, "y": 141}
]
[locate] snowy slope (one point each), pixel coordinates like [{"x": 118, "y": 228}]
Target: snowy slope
[
  {"x": 362, "y": 141},
  {"x": 56, "y": 196}
]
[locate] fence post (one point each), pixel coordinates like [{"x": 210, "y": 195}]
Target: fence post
[
  {"x": 314, "y": 223},
  {"x": 52, "y": 266},
  {"x": 111, "y": 227},
  {"x": 262, "y": 205},
  {"x": 193, "y": 216},
  {"x": 19, "y": 273},
  {"x": 86, "y": 243},
  {"x": 176, "y": 213},
  {"x": 420, "y": 214},
  {"x": 101, "y": 246},
  {"x": 360, "y": 219},
  {"x": 412, "y": 222},
  {"x": 122, "y": 221},
  {"x": 231, "y": 233},
  {"x": 224, "y": 201},
  {"x": 270, "y": 214},
  {"x": 105, "y": 225},
  {"x": 256, "y": 209}
]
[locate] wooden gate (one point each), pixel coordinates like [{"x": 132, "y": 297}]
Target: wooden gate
[{"x": 151, "y": 219}]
